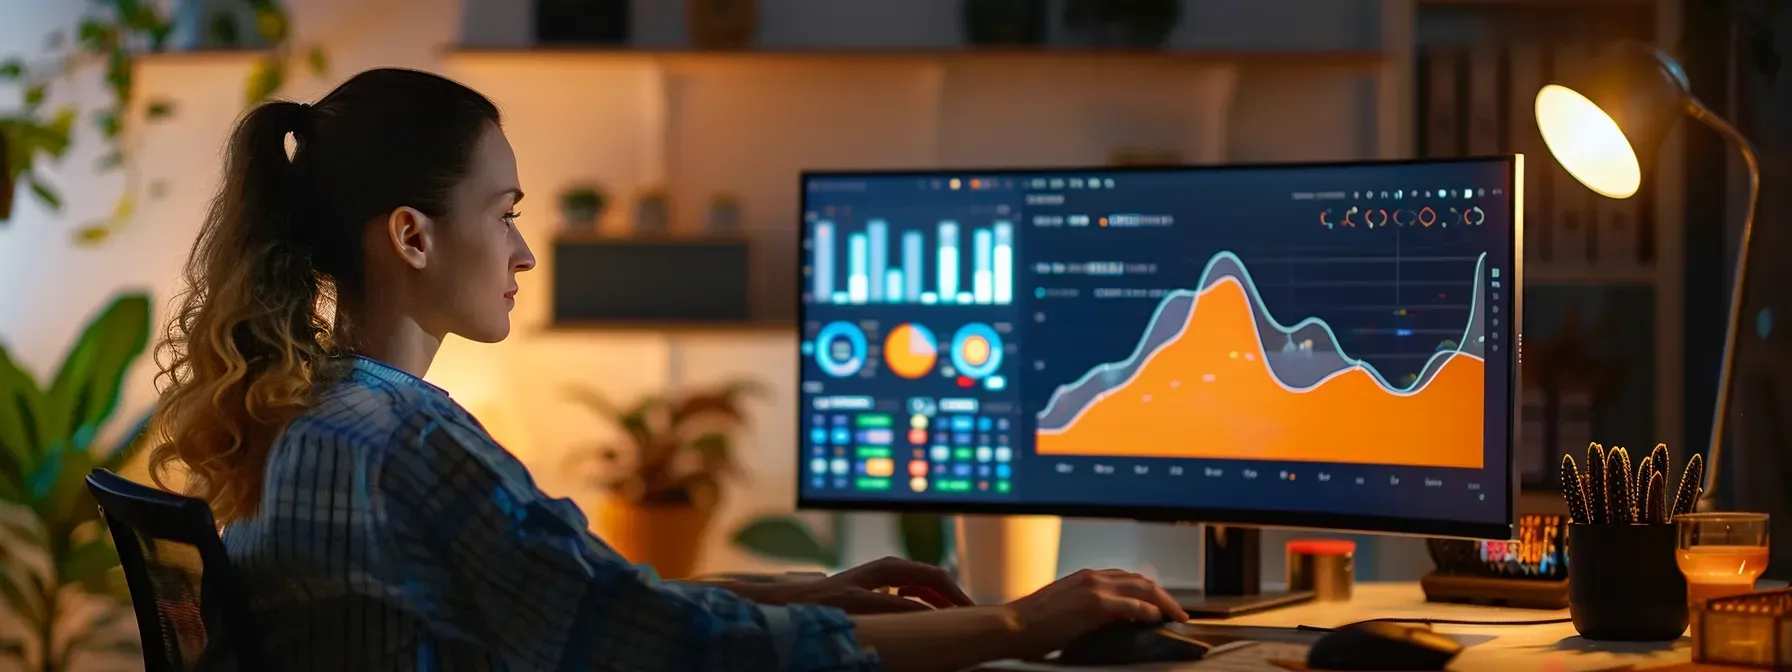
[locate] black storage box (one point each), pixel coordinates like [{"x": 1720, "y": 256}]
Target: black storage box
[{"x": 651, "y": 282}]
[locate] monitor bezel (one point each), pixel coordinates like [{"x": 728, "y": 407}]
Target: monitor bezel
[{"x": 1203, "y": 515}]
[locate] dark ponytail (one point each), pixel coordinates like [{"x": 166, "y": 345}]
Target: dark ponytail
[{"x": 257, "y": 329}]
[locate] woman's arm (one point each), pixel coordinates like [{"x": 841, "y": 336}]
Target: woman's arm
[
  {"x": 944, "y": 640},
  {"x": 471, "y": 549}
]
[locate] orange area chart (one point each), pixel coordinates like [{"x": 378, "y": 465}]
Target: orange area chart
[{"x": 1209, "y": 393}]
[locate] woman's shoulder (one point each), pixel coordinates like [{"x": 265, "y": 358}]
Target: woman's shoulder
[{"x": 361, "y": 407}]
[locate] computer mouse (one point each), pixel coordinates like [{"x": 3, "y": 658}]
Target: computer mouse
[
  {"x": 1382, "y": 646},
  {"x": 1131, "y": 642}
]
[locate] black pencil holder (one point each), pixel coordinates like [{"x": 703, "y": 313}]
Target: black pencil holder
[{"x": 1624, "y": 584}]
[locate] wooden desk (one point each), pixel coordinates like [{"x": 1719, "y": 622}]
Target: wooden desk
[{"x": 1533, "y": 647}]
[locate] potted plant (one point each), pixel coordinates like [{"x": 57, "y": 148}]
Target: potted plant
[
  {"x": 110, "y": 37},
  {"x": 56, "y": 558},
  {"x": 924, "y": 538},
  {"x": 724, "y": 214},
  {"x": 581, "y": 207},
  {"x": 653, "y": 212},
  {"x": 663, "y": 478}
]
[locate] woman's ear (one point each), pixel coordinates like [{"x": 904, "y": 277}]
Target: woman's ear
[{"x": 412, "y": 235}]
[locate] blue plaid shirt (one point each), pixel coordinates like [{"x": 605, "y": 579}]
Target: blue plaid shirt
[{"x": 394, "y": 533}]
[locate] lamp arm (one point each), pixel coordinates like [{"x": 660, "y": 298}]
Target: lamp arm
[{"x": 1733, "y": 328}]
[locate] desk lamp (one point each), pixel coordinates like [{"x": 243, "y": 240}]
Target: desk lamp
[{"x": 1602, "y": 128}]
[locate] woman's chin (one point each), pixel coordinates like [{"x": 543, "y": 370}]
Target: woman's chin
[{"x": 489, "y": 333}]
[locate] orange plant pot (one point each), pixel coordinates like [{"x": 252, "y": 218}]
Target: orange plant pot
[{"x": 669, "y": 538}]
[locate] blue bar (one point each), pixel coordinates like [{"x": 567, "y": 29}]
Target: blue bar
[
  {"x": 823, "y": 270},
  {"x": 948, "y": 259},
  {"x": 878, "y": 231},
  {"x": 911, "y": 265}
]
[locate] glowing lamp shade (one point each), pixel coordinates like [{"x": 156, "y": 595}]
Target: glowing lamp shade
[
  {"x": 1604, "y": 127},
  {"x": 1587, "y": 142}
]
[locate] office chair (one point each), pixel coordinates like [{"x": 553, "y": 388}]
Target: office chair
[{"x": 190, "y": 612}]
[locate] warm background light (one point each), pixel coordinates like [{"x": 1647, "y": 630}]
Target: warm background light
[{"x": 1587, "y": 143}]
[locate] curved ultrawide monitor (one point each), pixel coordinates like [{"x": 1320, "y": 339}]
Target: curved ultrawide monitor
[{"x": 1321, "y": 346}]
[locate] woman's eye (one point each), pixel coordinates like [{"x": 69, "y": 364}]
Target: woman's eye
[{"x": 510, "y": 217}]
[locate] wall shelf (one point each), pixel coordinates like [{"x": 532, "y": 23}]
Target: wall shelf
[
  {"x": 694, "y": 59},
  {"x": 751, "y": 327}
]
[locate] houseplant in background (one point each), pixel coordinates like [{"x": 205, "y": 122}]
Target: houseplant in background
[
  {"x": 724, "y": 214},
  {"x": 924, "y": 538},
  {"x": 653, "y": 211},
  {"x": 57, "y": 559},
  {"x": 663, "y": 478},
  {"x": 581, "y": 207},
  {"x": 111, "y": 37}
]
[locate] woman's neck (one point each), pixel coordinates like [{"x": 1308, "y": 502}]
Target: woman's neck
[{"x": 394, "y": 338}]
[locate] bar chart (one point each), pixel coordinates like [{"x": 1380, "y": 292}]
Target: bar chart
[{"x": 879, "y": 272}]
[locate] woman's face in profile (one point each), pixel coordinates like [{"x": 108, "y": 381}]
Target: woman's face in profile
[{"x": 482, "y": 250}]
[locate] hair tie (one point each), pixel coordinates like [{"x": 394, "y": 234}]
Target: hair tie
[{"x": 305, "y": 120}]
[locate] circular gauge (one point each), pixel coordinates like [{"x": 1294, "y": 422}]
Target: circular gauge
[
  {"x": 911, "y": 350},
  {"x": 1404, "y": 217},
  {"x": 1376, "y": 218},
  {"x": 1427, "y": 216},
  {"x": 1474, "y": 216},
  {"x": 840, "y": 349},
  {"x": 977, "y": 350}
]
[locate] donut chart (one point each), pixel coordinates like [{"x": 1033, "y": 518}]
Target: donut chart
[
  {"x": 977, "y": 350},
  {"x": 911, "y": 350},
  {"x": 840, "y": 349}
]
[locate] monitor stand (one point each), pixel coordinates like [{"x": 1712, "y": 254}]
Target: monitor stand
[{"x": 1233, "y": 578}]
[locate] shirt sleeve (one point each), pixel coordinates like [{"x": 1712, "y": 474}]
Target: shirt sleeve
[{"x": 483, "y": 557}]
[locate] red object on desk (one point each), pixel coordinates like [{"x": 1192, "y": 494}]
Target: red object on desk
[{"x": 1322, "y": 546}]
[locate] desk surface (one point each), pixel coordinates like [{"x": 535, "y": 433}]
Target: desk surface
[{"x": 1533, "y": 647}]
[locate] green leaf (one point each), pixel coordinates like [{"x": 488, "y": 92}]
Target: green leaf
[
  {"x": 271, "y": 24},
  {"x": 44, "y": 192},
  {"x": 26, "y": 607},
  {"x": 88, "y": 562},
  {"x": 714, "y": 449},
  {"x": 107, "y": 120},
  {"x": 21, "y": 428},
  {"x": 923, "y": 537},
  {"x": 265, "y": 78},
  {"x": 12, "y": 68},
  {"x": 318, "y": 60},
  {"x": 785, "y": 538},
  {"x": 160, "y": 109},
  {"x": 65, "y": 488},
  {"x": 30, "y": 534},
  {"x": 86, "y": 389},
  {"x": 97, "y": 625},
  {"x": 34, "y": 95}
]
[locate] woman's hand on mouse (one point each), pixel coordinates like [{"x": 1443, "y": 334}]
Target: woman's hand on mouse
[{"x": 1089, "y": 599}]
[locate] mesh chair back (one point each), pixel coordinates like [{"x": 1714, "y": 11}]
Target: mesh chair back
[{"x": 190, "y": 612}]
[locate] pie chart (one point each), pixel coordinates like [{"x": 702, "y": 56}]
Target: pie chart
[{"x": 911, "y": 350}]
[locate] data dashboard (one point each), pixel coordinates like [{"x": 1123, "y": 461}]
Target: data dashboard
[{"x": 1275, "y": 344}]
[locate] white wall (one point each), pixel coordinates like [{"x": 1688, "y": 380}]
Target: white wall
[{"x": 631, "y": 124}]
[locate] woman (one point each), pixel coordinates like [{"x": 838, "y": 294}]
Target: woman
[{"x": 374, "y": 522}]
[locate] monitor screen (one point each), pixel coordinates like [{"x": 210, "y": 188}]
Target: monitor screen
[{"x": 1326, "y": 346}]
